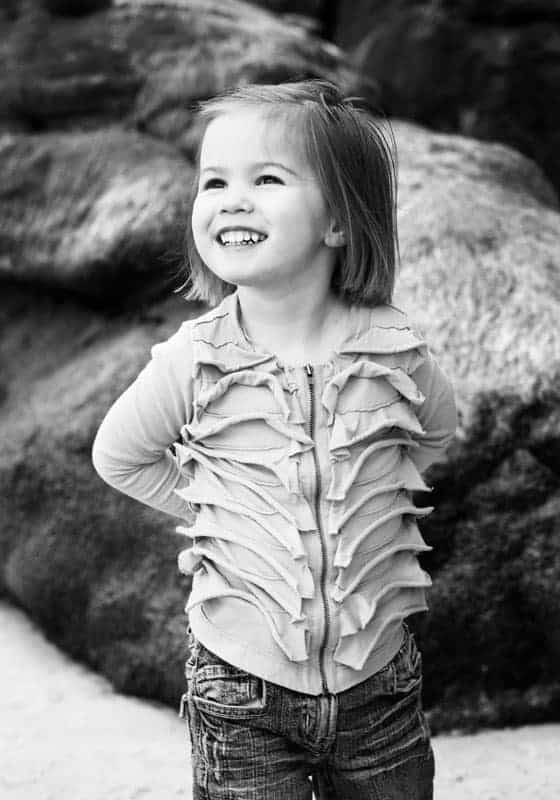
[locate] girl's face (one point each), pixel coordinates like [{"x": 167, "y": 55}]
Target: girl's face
[{"x": 259, "y": 218}]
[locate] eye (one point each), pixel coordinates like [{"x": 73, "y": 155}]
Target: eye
[
  {"x": 269, "y": 179},
  {"x": 213, "y": 183}
]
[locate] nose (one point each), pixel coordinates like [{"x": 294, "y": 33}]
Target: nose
[{"x": 236, "y": 198}]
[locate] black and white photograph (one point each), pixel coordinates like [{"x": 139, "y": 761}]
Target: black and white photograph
[{"x": 279, "y": 399}]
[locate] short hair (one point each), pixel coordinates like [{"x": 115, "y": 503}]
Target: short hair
[{"x": 352, "y": 152}]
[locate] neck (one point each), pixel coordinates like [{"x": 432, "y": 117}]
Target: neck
[{"x": 295, "y": 324}]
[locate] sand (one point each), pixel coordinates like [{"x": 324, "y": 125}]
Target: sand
[{"x": 66, "y": 735}]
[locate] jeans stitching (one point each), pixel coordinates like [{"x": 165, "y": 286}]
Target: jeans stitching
[{"x": 410, "y": 743}]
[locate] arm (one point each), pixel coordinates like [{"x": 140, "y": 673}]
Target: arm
[
  {"x": 131, "y": 451},
  {"x": 437, "y": 414}
]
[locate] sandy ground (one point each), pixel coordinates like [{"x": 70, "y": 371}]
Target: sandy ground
[{"x": 66, "y": 735}]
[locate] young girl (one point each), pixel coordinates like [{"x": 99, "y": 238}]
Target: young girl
[{"x": 292, "y": 423}]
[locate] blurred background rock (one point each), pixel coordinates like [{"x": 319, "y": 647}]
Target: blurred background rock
[{"x": 96, "y": 148}]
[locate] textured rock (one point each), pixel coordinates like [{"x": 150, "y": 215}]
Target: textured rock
[
  {"x": 149, "y": 60},
  {"x": 99, "y": 214},
  {"x": 310, "y": 8},
  {"x": 479, "y": 223},
  {"x": 354, "y": 17},
  {"x": 505, "y": 11},
  {"x": 420, "y": 60},
  {"x": 480, "y": 234},
  {"x": 226, "y": 45},
  {"x": 93, "y": 84},
  {"x": 480, "y": 242},
  {"x": 487, "y": 70},
  {"x": 95, "y": 569},
  {"x": 75, "y": 8}
]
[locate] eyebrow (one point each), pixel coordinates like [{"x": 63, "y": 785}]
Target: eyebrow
[{"x": 256, "y": 165}]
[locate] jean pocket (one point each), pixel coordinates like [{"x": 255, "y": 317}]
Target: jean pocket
[{"x": 223, "y": 690}]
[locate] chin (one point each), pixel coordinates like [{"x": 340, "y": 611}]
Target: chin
[
  {"x": 242, "y": 277},
  {"x": 236, "y": 276},
  {"x": 246, "y": 280}
]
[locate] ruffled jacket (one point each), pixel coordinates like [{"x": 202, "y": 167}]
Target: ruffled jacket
[{"x": 297, "y": 481}]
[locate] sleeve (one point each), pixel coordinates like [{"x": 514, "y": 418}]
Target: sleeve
[
  {"x": 437, "y": 414},
  {"x": 132, "y": 449}
]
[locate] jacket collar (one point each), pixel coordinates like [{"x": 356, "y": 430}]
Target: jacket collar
[{"x": 380, "y": 329}]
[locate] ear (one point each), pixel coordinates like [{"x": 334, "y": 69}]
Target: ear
[{"x": 335, "y": 236}]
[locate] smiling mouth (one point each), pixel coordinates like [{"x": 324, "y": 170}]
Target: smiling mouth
[{"x": 240, "y": 238}]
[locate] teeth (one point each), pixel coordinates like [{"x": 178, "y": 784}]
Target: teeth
[{"x": 240, "y": 237}]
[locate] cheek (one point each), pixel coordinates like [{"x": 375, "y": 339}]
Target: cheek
[
  {"x": 200, "y": 219},
  {"x": 306, "y": 214}
]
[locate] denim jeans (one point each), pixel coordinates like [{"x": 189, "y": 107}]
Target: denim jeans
[{"x": 255, "y": 740}]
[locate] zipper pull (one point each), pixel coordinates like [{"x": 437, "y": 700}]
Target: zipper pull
[{"x": 309, "y": 370}]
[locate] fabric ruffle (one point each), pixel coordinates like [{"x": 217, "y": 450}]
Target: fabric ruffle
[
  {"x": 219, "y": 482},
  {"x": 243, "y": 452},
  {"x": 378, "y": 534},
  {"x": 354, "y": 650},
  {"x": 275, "y": 564},
  {"x": 387, "y": 332},
  {"x": 371, "y": 414},
  {"x": 290, "y": 635},
  {"x": 269, "y": 575}
]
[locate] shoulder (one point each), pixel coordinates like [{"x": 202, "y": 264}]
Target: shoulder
[
  {"x": 208, "y": 338},
  {"x": 390, "y": 317},
  {"x": 217, "y": 326},
  {"x": 384, "y": 329},
  {"x": 180, "y": 344},
  {"x": 177, "y": 345},
  {"x": 172, "y": 359}
]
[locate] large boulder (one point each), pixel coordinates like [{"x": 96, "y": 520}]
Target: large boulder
[
  {"x": 313, "y": 9},
  {"x": 487, "y": 70},
  {"x": 480, "y": 233},
  {"x": 480, "y": 246},
  {"x": 100, "y": 214},
  {"x": 75, "y": 8},
  {"x": 147, "y": 61},
  {"x": 96, "y": 570}
]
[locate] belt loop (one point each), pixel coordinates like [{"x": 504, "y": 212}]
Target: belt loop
[
  {"x": 194, "y": 650},
  {"x": 194, "y": 647}
]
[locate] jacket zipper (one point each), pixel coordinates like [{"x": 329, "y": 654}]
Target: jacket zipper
[{"x": 311, "y": 385}]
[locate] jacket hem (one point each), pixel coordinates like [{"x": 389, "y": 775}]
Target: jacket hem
[{"x": 276, "y": 668}]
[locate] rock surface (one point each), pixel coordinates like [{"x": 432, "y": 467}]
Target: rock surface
[
  {"x": 149, "y": 60},
  {"x": 100, "y": 214},
  {"x": 487, "y": 70},
  {"x": 480, "y": 240},
  {"x": 313, "y": 9},
  {"x": 92, "y": 567}
]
